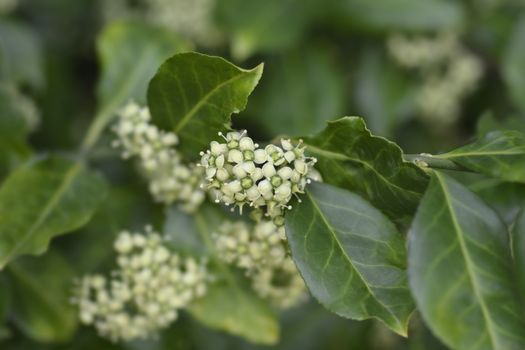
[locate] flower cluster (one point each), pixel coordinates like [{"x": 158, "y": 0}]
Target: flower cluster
[
  {"x": 240, "y": 172},
  {"x": 449, "y": 71},
  {"x": 261, "y": 252},
  {"x": 144, "y": 294},
  {"x": 170, "y": 180}
]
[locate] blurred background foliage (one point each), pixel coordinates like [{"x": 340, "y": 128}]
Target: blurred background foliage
[{"x": 64, "y": 62}]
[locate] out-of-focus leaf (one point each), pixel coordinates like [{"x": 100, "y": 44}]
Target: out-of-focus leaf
[
  {"x": 487, "y": 124},
  {"x": 91, "y": 248},
  {"x": 383, "y": 93},
  {"x": 513, "y": 65},
  {"x": 5, "y": 299},
  {"x": 350, "y": 157},
  {"x": 351, "y": 256},
  {"x": 42, "y": 288},
  {"x": 194, "y": 95},
  {"x": 262, "y": 26},
  {"x": 42, "y": 200},
  {"x": 460, "y": 270},
  {"x": 500, "y": 154},
  {"x": 130, "y": 53},
  {"x": 17, "y": 118},
  {"x": 181, "y": 229},
  {"x": 21, "y": 58},
  {"x": 518, "y": 249},
  {"x": 386, "y": 15},
  {"x": 229, "y": 304},
  {"x": 299, "y": 93}
]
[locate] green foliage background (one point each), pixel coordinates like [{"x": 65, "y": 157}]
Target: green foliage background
[{"x": 72, "y": 64}]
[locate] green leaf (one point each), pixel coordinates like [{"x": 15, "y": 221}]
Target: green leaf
[
  {"x": 506, "y": 198},
  {"x": 194, "y": 96},
  {"x": 384, "y": 93},
  {"x": 300, "y": 92},
  {"x": 387, "y": 15},
  {"x": 262, "y": 26},
  {"x": 5, "y": 300},
  {"x": 45, "y": 199},
  {"x": 350, "y": 157},
  {"x": 230, "y": 304},
  {"x": 460, "y": 270},
  {"x": 500, "y": 154},
  {"x": 513, "y": 65},
  {"x": 351, "y": 256},
  {"x": 488, "y": 123},
  {"x": 21, "y": 56},
  {"x": 42, "y": 307},
  {"x": 17, "y": 118},
  {"x": 130, "y": 53},
  {"x": 518, "y": 248}
]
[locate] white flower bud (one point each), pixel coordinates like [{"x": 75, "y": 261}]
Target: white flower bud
[
  {"x": 268, "y": 170},
  {"x": 246, "y": 143},
  {"x": 235, "y": 156},
  {"x": 260, "y": 156}
]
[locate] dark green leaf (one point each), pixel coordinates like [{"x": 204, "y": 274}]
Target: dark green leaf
[
  {"x": 17, "y": 118},
  {"x": 487, "y": 123},
  {"x": 42, "y": 307},
  {"x": 499, "y": 154},
  {"x": 130, "y": 53},
  {"x": 383, "y": 93},
  {"x": 518, "y": 247},
  {"x": 264, "y": 26},
  {"x": 350, "y": 157},
  {"x": 229, "y": 304},
  {"x": 194, "y": 95},
  {"x": 21, "y": 59},
  {"x": 514, "y": 65},
  {"x": 299, "y": 93},
  {"x": 412, "y": 15},
  {"x": 45, "y": 199},
  {"x": 506, "y": 198},
  {"x": 351, "y": 256},
  {"x": 5, "y": 299},
  {"x": 460, "y": 270}
]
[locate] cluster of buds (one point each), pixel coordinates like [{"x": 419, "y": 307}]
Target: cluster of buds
[
  {"x": 170, "y": 180},
  {"x": 250, "y": 249},
  {"x": 449, "y": 71},
  {"x": 282, "y": 284},
  {"x": 262, "y": 254},
  {"x": 144, "y": 295},
  {"x": 239, "y": 172}
]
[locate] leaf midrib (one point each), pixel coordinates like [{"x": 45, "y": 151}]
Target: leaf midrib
[
  {"x": 344, "y": 157},
  {"x": 334, "y": 237},
  {"x": 46, "y": 211},
  {"x": 487, "y": 153},
  {"x": 468, "y": 261},
  {"x": 187, "y": 117}
]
